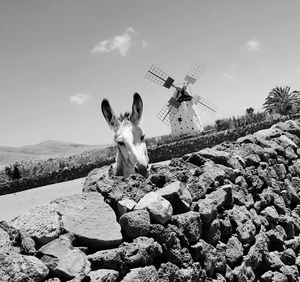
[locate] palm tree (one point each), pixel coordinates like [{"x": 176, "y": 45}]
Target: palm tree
[
  {"x": 249, "y": 111},
  {"x": 281, "y": 101}
]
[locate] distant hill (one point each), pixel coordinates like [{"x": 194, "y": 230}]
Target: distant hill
[{"x": 44, "y": 150}]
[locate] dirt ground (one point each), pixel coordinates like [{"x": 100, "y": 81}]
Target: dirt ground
[{"x": 12, "y": 205}]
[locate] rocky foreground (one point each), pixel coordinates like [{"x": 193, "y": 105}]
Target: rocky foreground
[{"x": 227, "y": 213}]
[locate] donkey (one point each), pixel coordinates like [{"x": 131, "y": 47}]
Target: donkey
[{"x": 132, "y": 154}]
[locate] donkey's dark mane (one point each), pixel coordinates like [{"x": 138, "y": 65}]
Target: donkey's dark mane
[{"x": 124, "y": 116}]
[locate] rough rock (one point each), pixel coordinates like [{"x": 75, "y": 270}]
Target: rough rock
[
  {"x": 189, "y": 224},
  {"x": 207, "y": 211},
  {"x": 92, "y": 220},
  {"x": 289, "y": 126},
  {"x": 212, "y": 259},
  {"x": 212, "y": 234},
  {"x": 222, "y": 197},
  {"x": 270, "y": 214},
  {"x": 146, "y": 274},
  {"x": 15, "y": 267},
  {"x": 173, "y": 243},
  {"x": 135, "y": 223},
  {"x": 4, "y": 239},
  {"x": 104, "y": 275},
  {"x": 42, "y": 223},
  {"x": 212, "y": 176},
  {"x": 178, "y": 195},
  {"x": 160, "y": 209},
  {"x": 63, "y": 260},
  {"x": 286, "y": 142},
  {"x": 169, "y": 272},
  {"x": 142, "y": 251},
  {"x": 234, "y": 251},
  {"x": 291, "y": 272},
  {"x": 244, "y": 273},
  {"x": 218, "y": 157},
  {"x": 195, "y": 159},
  {"x": 258, "y": 252},
  {"x": 246, "y": 230},
  {"x": 277, "y": 237},
  {"x": 125, "y": 205},
  {"x": 288, "y": 256},
  {"x": 275, "y": 276}
]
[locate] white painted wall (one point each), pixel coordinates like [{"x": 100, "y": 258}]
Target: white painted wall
[{"x": 185, "y": 120}]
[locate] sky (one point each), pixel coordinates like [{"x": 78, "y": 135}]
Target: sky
[{"x": 60, "y": 58}]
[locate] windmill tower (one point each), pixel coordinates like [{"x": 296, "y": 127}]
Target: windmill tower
[{"x": 182, "y": 112}]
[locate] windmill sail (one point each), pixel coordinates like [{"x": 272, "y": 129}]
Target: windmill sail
[
  {"x": 167, "y": 113},
  {"x": 159, "y": 77},
  {"x": 206, "y": 105},
  {"x": 195, "y": 73}
]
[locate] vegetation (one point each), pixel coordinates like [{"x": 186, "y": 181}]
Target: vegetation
[
  {"x": 236, "y": 122},
  {"x": 281, "y": 101}
]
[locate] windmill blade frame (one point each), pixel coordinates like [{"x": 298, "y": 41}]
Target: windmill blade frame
[
  {"x": 159, "y": 77},
  {"x": 167, "y": 113},
  {"x": 195, "y": 72},
  {"x": 208, "y": 106}
]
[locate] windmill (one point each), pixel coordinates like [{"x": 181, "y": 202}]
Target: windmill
[{"x": 182, "y": 110}]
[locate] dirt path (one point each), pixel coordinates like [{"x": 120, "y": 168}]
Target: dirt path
[{"x": 12, "y": 205}]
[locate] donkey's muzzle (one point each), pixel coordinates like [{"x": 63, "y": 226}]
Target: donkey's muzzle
[{"x": 142, "y": 169}]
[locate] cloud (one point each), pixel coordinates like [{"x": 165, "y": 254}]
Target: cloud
[
  {"x": 229, "y": 74},
  {"x": 122, "y": 43},
  {"x": 297, "y": 69},
  {"x": 252, "y": 45},
  {"x": 145, "y": 44},
  {"x": 79, "y": 98}
]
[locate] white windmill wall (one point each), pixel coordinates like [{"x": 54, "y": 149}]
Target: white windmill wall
[{"x": 186, "y": 120}]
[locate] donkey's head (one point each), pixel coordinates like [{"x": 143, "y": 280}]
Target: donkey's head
[{"x": 132, "y": 156}]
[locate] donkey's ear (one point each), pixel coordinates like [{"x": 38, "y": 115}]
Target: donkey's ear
[
  {"x": 109, "y": 114},
  {"x": 137, "y": 109}
]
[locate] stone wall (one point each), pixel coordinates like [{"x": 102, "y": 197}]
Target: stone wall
[
  {"x": 157, "y": 153},
  {"x": 226, "y": 213}
]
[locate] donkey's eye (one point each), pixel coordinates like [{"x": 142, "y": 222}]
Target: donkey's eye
[
  {"x": 143, "y": 138},
  {"x": 120, "y": 143}
]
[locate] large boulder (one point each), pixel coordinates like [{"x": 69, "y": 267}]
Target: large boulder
[
  {"x": 212, "y": 176},
  {"x": 4, "y": 239},
  {"x": 42, "y": 223},
  {"x": 135, "y": 223},
  {"x": 189, "y": 224},
  {"x": 222, "y": 197},
  {"x": 213, "y": 260},
  {"x": 289, "y": 126},
  {"x": 246, "y": 229},
  {"x": 142, "y": 251},
  {"x": 234, "y": 251},
  {"x": 178, "y": 195},
  {"x": 147, "y": 274},
  {"x": 92, "y": 220},
  {"x": 63, "y": 260},
  {"x": 15, "y": 267},
  {"x": 104, "y": 275},
  {"x": 160, "y": 209},
  {"x": 173, "y": 242},
  {"x": 217, "y": 156}
]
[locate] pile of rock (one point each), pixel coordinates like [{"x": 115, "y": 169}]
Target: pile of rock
[{"x": 227, "y": 213}]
